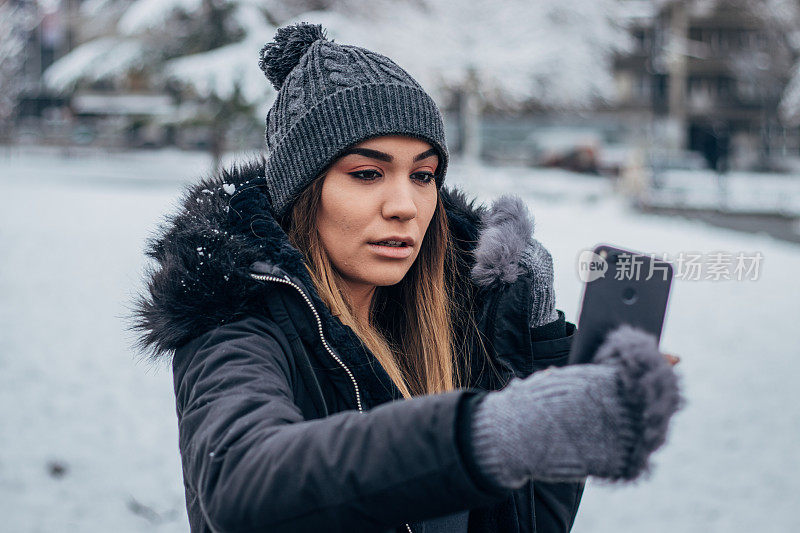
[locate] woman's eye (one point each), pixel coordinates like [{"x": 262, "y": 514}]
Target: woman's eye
[
  {"x": 424, "y": 177},
  {"x": 366, "y": 175}
]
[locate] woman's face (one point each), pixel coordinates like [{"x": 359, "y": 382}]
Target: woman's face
[{"x": 381, "y": 189}]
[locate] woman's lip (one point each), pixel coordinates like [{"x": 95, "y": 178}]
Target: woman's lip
[{"x": 395, "y": 252}]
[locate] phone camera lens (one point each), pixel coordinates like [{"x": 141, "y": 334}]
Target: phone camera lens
[{"x": 629, "y": 295}]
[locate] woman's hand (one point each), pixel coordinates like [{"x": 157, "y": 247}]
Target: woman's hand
[
  {"x": 671, "y": 359},
  {"x": 600, "y": 419}
]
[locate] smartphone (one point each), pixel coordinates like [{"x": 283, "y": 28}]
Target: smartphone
[{"x": 620, "y": 287}]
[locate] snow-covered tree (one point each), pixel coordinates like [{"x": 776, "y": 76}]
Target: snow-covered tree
[
  {"x": 206, "y": 49},
  {"x": 503, "y": 55},
  {"x": 17, "y": 19},
  {"x": 500, "y": 55}
]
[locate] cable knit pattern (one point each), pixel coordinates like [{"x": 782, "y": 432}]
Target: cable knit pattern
[{"x": 538, "y": 260}]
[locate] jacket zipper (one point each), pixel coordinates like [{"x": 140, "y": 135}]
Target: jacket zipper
[{"x": 286, "y": 281}]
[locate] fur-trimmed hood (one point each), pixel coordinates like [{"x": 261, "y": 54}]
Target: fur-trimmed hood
[{"x": 204, "y": 255}]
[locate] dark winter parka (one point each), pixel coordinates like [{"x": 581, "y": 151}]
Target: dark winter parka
[{"x": 287, "y": 423}]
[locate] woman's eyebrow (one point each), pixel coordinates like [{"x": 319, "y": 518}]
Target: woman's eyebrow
[{"x": 382, "y": 156}]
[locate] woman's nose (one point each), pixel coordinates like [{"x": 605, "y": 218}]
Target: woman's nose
[{"x": 398, "y": 200}]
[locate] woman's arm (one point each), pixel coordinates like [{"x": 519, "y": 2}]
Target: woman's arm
[
  {"x": 257, "y": 465},
  {"x": 526, "y": 331},
  {"x": 555, "y": 504}
]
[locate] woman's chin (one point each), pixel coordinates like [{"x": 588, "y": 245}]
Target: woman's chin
[
  {"x": 383, "y": 276},
  {"x": 386, "y": 281}
]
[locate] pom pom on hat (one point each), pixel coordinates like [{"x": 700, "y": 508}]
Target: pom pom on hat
[{"x": 278, "y": 58}]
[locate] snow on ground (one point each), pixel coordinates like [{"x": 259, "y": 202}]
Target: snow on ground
[
  {"x": 736, "y": 192},
  {"x": 73, "y": 393}
]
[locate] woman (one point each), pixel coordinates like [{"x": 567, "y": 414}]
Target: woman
[{"x": 337, "y": 319}]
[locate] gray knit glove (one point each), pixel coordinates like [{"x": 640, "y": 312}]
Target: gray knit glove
[
  {"x": 507, "y": 250},
  {"x": 537, "y": 259},
  {"x": 602, "y": 419}
]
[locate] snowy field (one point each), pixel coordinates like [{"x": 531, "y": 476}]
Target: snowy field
[
  {"x": 743, "y": 192},
  {"x": 89, "y": 430}
]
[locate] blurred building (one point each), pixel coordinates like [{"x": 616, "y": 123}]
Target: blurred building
[
  {"x": 699, "y": 78},
  {"x": 710, "y": 76},
  {"x": 698, "y": 87}
]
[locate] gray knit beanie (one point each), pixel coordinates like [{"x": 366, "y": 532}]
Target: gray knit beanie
[{"x": 330, "y": 97}]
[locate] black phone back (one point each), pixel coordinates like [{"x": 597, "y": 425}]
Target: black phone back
[{"x": 623, "y": 294}]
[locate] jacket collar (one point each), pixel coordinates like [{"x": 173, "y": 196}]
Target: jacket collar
[{"x": 204, "y": 255}]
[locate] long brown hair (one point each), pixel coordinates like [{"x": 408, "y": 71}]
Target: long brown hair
[{"x": 411, "y": 325}]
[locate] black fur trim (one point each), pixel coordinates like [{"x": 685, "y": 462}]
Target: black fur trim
[
  {"x": 199, "y": 279},
  {"x": 201, "y": 256}
]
